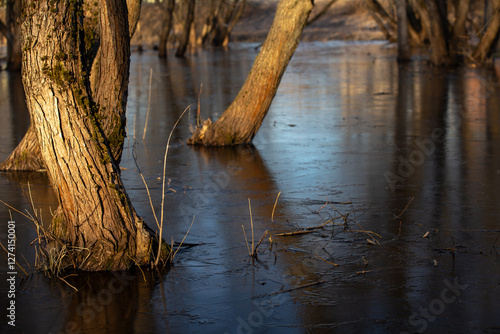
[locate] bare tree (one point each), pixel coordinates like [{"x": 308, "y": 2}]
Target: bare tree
[{"x": 241, "y": 121}]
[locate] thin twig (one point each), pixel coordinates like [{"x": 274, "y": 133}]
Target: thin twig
[
  {"x": 274, "y": 208},
  {"x": 260, "y": 241},
  {"x": 173, "y": 256},
  {"x": 163, "y": 181},
  {"x": 407, "y": 205},
  {"x": 287, "y": 234},
  {"x": 149, "y": 104},
  {"x": 251, "y": 224},
  {"x": 246, "y": 240}
]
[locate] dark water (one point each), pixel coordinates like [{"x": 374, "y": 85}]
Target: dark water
[{"x": 347, "y": 126}]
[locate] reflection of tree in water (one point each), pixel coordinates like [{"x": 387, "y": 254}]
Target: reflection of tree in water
[{"x": 106, "y": 302}]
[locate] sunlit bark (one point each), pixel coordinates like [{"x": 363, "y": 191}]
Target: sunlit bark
[
  {"x": 241, "y": 121},
  {"x": 98, "y": 223},
  {"x": 26, "y": 156}
]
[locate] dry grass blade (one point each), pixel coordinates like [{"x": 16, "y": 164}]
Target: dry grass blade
[
  {"x": 274, "y": 208},
  {"x": 246, "y": 240},
  {"x": 189, "y": 229},
  {"x": 149, "y": 105},
  {"x": 287, "y": 234},
  {"x": 163, "y": 184},
  {"x": 251, "y": 225},
  {"x": 260, "y": 241}
]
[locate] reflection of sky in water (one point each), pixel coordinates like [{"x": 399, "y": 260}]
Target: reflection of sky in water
[{"x": 341, "y": 121}]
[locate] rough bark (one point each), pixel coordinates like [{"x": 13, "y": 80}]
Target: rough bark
[
  {"x": 403, "y": 44},
  {"x": 188, "y": 22},
  {"x": 98, "y": 224},
  {"x": 26, "y": 157},
  {"x": 166, "y": 28},
  {"x": 241, "y": 121},
  {"x": 488, "y": 43}
]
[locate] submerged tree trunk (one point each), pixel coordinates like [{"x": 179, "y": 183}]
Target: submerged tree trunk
[
  {"x": 98, "y": 224},
  {"x": 26, "y": 156},
  {"x": 489, "y": 41},
  {"x": 186, "y": 31},
  {"x": 12, "y": 32},
  {"x": 241, "y": 121},
  {"x": 403, "y": 44},
  {"x": 433, "y": 23},
  {"x": 166, "y": 28}
]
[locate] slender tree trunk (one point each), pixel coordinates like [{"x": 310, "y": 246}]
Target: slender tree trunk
[
  {"x": 13, "y": 14},
  {"x": 460, "y": 38},
  {"x": 98, "y": 224},
  {"x": 241, "y": 121},
  {"x": 487, "y": 45},
  {"x": 188, "y": 22},
  {"x": 166, "y": 28},
  {"x": 403, "y": 45}
]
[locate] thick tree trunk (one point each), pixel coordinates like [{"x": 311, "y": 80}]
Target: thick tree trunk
[
  {"x": 26, "y": 157},
  {"x": 241, "y": 121},
  {"x": 403, "y": 45},
  {"x": 98, "y": 224},
  {"x": 188, "y": 22},
  {"x": 13, "y": 14},
  {"x": 487, "y": 45},
  {"x": 166, "y": 28}
]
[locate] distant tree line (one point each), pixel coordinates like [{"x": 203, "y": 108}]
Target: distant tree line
[
  {"x": 207, "y": 22},
  {"x": 455, "y": 31}
]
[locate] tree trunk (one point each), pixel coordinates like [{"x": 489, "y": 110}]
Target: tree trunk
[
  {"x": 433, "y": 25},
  {"x": 188, "y": 22},
  {"x": 403, "y": 45},
  {"x": 98, "y": 224},
  {"x": 12, "y": 15},
  {"x": 460, "y": 38},
  {"x": 26, "y": 157},
  {"x": 241, "y": 121},
  {"x": 486, "y": 47},
  {"x": 166, "y": 28}
]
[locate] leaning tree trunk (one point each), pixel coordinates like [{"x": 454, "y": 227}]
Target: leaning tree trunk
[
  {"x": 241, "y": 121},
  {"x": 98, "y": 223},
  {"x": 486, "y": 47}
]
